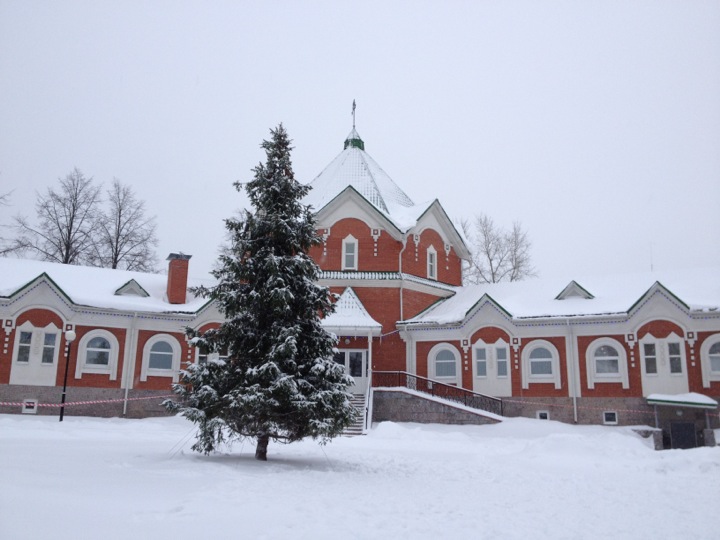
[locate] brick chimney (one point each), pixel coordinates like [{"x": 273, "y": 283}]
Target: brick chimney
[{"x": 177, "y": 277}]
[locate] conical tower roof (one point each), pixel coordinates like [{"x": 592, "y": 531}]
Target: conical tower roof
[{"x": 354, "y": 167}]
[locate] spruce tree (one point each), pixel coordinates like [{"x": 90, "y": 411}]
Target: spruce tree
[{"x": 279, "y": 380}]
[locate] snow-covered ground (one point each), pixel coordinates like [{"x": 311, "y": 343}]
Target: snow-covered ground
[{"x": 99, "y": 478}]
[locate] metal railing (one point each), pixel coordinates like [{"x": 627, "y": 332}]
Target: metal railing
[{"x": 438, "y": 389}]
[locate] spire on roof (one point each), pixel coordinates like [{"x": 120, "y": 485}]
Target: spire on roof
[{"x": 353, "y": 140}]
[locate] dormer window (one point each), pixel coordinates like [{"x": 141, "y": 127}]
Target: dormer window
[
  {"x": 431, "y": 263},
  {"x": 350, "y": 253}
]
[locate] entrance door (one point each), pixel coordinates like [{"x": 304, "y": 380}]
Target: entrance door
[
  {"x": 355, "y": 363},
  {"x": 35, "y": 355},
  {"x": 682, "y": 435}
]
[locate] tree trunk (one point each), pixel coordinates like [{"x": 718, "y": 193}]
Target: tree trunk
[{"x": 261, "y": 449}]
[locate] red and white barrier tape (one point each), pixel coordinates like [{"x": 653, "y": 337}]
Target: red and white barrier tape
[{"x": 94, "y": 402}]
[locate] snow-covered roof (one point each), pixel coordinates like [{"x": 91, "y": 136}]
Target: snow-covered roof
[
  {"x": 691, "y": 399},
  {"x": 354, "y": 167},
  {"x": 97, "y": 287},
  {"x": 350, "y": 314},
  {"x": 694, "y": 289}
]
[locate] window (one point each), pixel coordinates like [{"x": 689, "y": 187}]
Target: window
[
  {"x": 541, "y": 362},
  {"x": 491, "y": 360},
  {"x": 98, "y": 352},
  {"x": 161, "y": 356},
  {"x": 431, "y": 263},
  {"x": 674, "y": 357},
  {"x": 350, "y": 253},
  {"x": 610, "y": 418},
  {"x": 445, "y": 363},
  {"x": 481, "y": 361},
  {"x": 23, "y": 354},
  {"x": 606, "y": 362},
  {"x": 650, "y": 353},
  {"x": 710, "y": 359},
  {"x": 542, "y": 415},
  {"x": 502, "y": 361},
  {"x": 48, "y": 353},
  {"x": 714, "y": 356}
]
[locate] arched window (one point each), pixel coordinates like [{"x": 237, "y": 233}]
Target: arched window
[
  {"x": 714, "y": 356},
  {"x": 443, "y": 363},
  {"x": 431, "y": 263},
  {"x": 606, "y": 362},
  {"x": 97, "y": 353},
  {"x": 541, "y": 364},
  {"x": 161, "y": 357},
  {"x": 710, "y": 360},
  {"x": 350, "y": 253}
]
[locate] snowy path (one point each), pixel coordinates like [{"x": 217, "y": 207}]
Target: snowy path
[{"x": 94, "y": 478}]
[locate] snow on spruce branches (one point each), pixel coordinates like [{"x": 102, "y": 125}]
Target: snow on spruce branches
[{"x": 277, "y": 379}]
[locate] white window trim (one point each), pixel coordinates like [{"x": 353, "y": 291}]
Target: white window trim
[
  {"x": 527, "y": 378},
  {"x": 491, "y": 358},
  {"x": 37, "y": 342},
  {"x": 432, "y": 269},
  {"x": 663, "y": 356},
  {"x": 607, "y": 423},
  {"x": 546, "y": 413},
  {"x": 111, "y": 369},
  {"x": 431, "y": 363},
  {"x": 146, "y": 371},
  {"x": 349, "y": 239},
  {"x": 707, "y": 374},
  {"x": 593, "y": 377}
]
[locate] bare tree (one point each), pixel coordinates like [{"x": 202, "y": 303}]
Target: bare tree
[
  {"x": 65, "y": 219},
  {"x": 125, "y": 235},
  {"x": 5, "y": 247},
  {"x": 497, "y": 255}
]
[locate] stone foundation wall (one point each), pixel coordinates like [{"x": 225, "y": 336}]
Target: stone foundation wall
[
  {"x": 112, "y": 401},
  {"x": 404, "y": 407}
]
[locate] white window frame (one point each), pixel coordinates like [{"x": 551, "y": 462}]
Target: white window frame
[
  {"x": 491, "y": 358},
  {"x": 349, "y": 240},
  {"x": 111, "y": 369},
  {"x": 554, "y": 377},
  {"x": 146, "y": 371},
  {"x": 37, "y": 343},
  {"x": 539, "y": 415},
  {"x": 593, "y": 377},
  {"x": 708, "y": 375},
  {"x": 432, "y": 263},
  {"x": 432, "y": 363},
  {"x": 610, "y": 422},
  {"x": 662, "y": 355}
]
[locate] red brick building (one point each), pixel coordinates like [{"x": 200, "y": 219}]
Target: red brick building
[{"x": 641, "y": 349}]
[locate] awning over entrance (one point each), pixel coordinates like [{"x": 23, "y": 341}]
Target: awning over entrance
[
  {"x": 691, "y": 399},
  {"x": 351, "y": 318}
]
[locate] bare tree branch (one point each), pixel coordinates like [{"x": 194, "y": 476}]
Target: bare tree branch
[
  {"x": 65, "y": 219},
  {"x": 497, "y": 255},
  {"x": 125, "y": 235}
]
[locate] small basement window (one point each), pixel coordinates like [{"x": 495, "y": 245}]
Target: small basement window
[
  {"x": 542, "y": 415},
  {"x": 610, "y": 418},
  {"x": 30, "y": 406}
]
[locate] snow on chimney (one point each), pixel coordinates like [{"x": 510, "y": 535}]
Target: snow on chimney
[{"x": 177, "y": 277}]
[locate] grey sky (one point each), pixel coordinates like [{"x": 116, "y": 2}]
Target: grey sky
[{"x": 594, "y": 123}]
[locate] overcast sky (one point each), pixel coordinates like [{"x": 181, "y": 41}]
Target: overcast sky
[{"x": 594, "y": 123}]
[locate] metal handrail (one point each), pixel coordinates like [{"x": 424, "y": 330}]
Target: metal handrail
[{"x": 434, "y": 388}]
